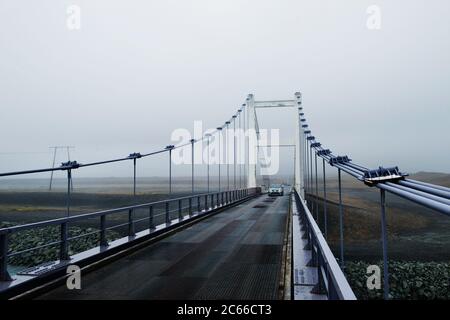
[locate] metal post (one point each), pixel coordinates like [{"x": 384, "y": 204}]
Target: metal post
[
  {"x": 134, "y": 177},
  {"x": 207, "y": 164},
  {"x": 69, "y": 178},
  {"x": 307, "y": 168},
  {"x": 384, "y": 243},
  {"x": 240, "y": 147},
  {"x": 170, "y": 173},
  {"x": 317, "y": 191},
  {"x": 341, "y": 221},
  {"x": 325, "y": 218},
  {"x": 180, "y": 214},
  {"x": 199, "y": 209},
  {"x": 190, "y": 207},
  {"x": 64, "y": 248},
  {"x": 311, "y": 180},
  {"x": 103, "y": 240},
  {"x": 219, "y": 132},
  {"x": 151, "y": 224},
  {"x": 68, "y": 159},
  {"x": 192, "y": 168},
  {"x": 246, "y": 143},
  {"x": 206, "y": 203},
  {"x": 227, "y": 156},
  {"x": 131, "y": 232},
  {"x": 4, "y": 274},
  {"x": 53, "y": 165},
  {"x": 234, "y": 152},
  {"x": 167, "y": 213}
]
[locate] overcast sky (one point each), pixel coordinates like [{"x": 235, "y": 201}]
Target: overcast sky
[{"x": 137, "y": 70}]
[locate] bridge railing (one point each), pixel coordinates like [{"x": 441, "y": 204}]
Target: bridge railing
[
  {"x": 194, "y": 204},
  {"x": 390, "y": 180},
  {"x": 232, "y": 178},
  {"x": 331, "y": 279}
]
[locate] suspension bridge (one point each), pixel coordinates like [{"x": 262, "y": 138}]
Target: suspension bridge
[{"x": 230, "y": 242}]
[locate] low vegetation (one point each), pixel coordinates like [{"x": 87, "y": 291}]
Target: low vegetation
[
  {"x": 408, "y": 280},
  {"x": 40, "y": 237}
]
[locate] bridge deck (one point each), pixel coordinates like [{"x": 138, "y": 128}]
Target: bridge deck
[{"x": 235, "y": 254}]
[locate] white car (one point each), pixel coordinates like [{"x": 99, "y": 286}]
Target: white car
[{"x": 276, "y": 190}]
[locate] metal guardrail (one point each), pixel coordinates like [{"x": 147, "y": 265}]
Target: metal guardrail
[
  {"x": 232, "y": 189},
  {"x": 391, "y": 180},
  {"x": 330, "y": 277},
  {"x": 210, "y": 201}
]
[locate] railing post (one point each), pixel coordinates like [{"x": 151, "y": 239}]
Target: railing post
[
  {"x": 384, "y": 243},
  {"x": 206, "y": 203},
  {"x": 313, "y": 262},
  {"x": 325, "y": 218},
  {"x": 190, "y": 207},
  {"x": 64, "y": 248},
  {"x": 167, "y": 213},
  {"x": 131, "y": 232},
  {"x": 151, "y": 224},
  {"x": 212, "y": 201},
  {"x": 321, "y": 264},
  {"x": 341, "y": 222},
  {"x": 4, "y": 274},
  {"x": 103, "y": 240},
  {"x": 180, "y": 214},
  {"x": 198, "y": 205}
]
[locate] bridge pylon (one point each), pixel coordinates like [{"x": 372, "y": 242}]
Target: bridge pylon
[{"x": 252, "y": 137}]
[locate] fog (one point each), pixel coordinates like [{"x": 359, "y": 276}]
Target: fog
[{"x": 137, "y": 70}]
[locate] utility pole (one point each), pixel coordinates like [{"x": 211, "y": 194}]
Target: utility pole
[{"x": 55, "y": 149}]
